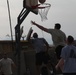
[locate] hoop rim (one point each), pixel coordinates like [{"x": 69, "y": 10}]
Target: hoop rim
[
  {"x": 41, "y": 7},
  {"x": 46, "y": 6}
]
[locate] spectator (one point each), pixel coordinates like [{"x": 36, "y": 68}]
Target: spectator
[
  {"x": 6, "y": 65},
  {"x": 68, "y": 58}
]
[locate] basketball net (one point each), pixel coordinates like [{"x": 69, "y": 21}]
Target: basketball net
[{"x": 43, "y": 10}]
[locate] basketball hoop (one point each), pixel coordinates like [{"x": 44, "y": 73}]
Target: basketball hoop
[{"x": 43, "y": 10}]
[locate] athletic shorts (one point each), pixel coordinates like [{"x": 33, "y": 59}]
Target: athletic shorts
[
  {"x": 58, "y": 51},
  {"x": 42, "y": 57}
]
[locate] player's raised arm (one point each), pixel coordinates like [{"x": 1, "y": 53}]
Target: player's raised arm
[{"x": 39, "y": 26}]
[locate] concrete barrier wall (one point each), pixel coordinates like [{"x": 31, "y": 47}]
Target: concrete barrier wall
[
  {"x": 27, "y": 56},
  {"x": 29, "y": 60}
]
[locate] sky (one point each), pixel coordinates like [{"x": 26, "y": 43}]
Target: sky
[{"x": 61, "y": 11}]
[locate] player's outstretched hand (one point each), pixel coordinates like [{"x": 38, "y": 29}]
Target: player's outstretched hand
[{"x": 33, "y": 23}]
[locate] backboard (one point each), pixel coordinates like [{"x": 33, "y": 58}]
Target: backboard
[{"x": 29, "y": 3}]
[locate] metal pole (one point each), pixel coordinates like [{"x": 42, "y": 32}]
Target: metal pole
[
  {"x": 10, "y": 19},
  {"x": 17, "y": 37}
]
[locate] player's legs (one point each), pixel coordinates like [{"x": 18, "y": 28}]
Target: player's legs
[
  {"x": 58, "y": 51},
  {"x": 45, "y": 68},
  {"x": 38, "y": 63}
]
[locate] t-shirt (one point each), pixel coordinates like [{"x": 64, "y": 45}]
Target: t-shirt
[
  {"x": 69, "y": 55},
  {"x": 6, "y": 66},
  {"x": 39, "y": 44},
  {"x": 58, "y": 37}
]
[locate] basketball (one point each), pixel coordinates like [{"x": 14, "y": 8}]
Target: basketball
[{"x": 42, "y": 1}]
